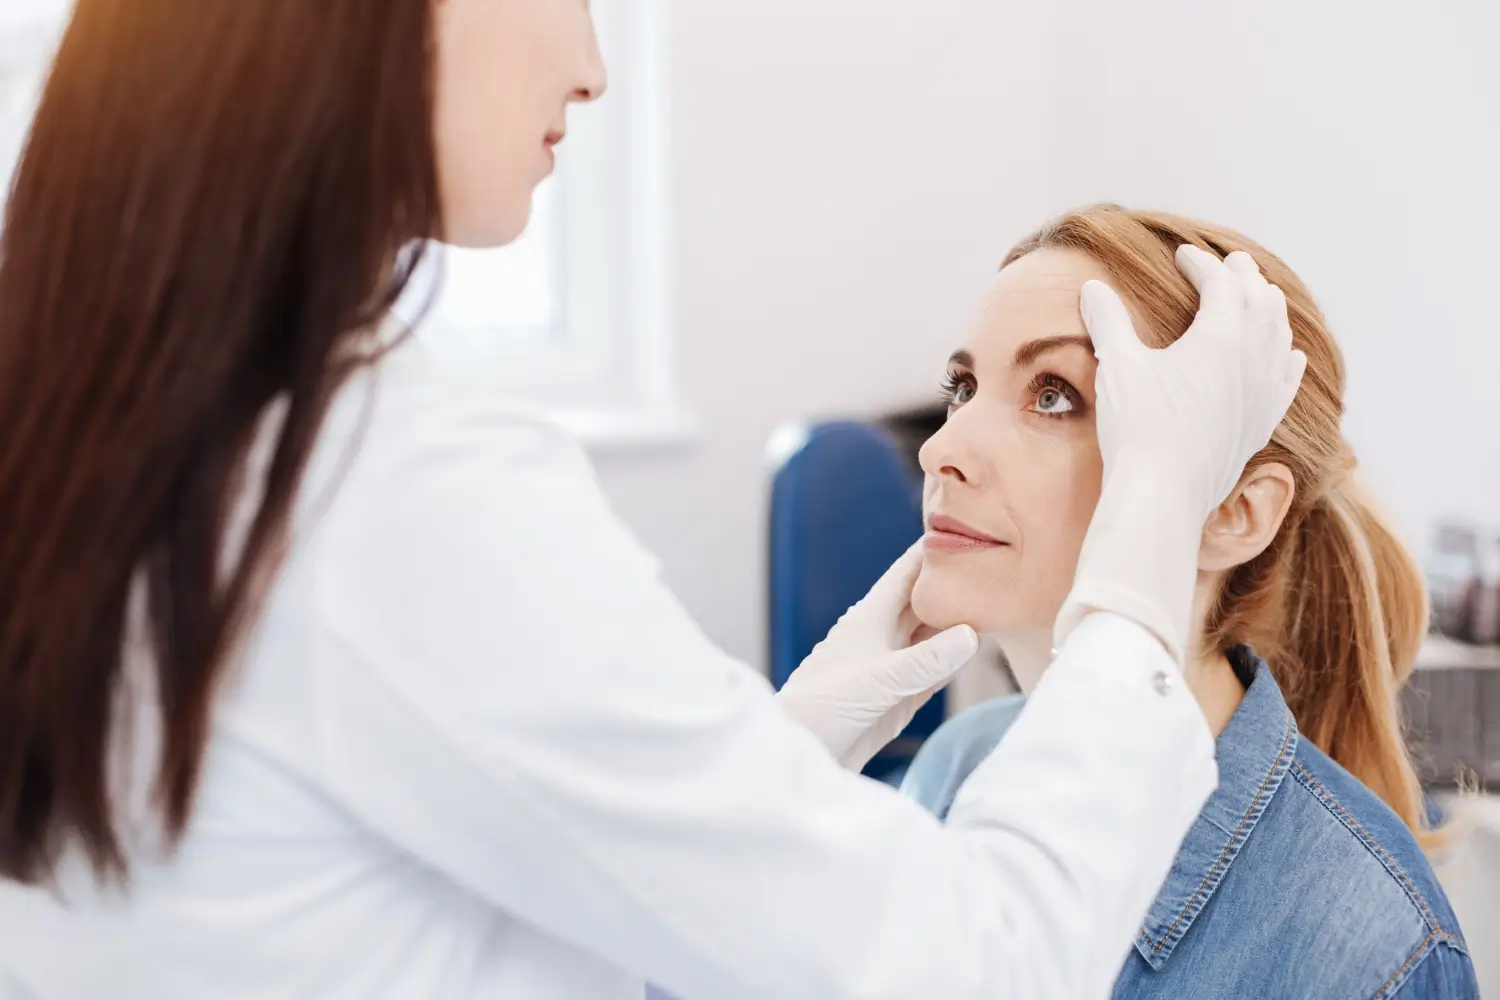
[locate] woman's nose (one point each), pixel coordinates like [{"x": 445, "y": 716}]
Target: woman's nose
[
  {"x": 943, "y": 455},
  {"x": 594, "y": 79}
]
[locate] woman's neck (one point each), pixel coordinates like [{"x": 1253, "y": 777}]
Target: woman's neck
[
  {"x": 1209, "y": 675},
  {"x": 1028, "y": 653},
  {"x": 1217, "y": 687}
]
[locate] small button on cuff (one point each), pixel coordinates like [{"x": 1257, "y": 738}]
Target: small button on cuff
[{"x": 1163, "y": 682}]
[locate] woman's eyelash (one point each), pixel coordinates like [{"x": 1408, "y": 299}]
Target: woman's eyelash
[
  {"x": 954, "y": 383},
  {"x": 958, "y": 386},
  {"x": 1044, "y": 381}
]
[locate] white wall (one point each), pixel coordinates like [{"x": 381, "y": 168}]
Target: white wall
[
  {"x": 27, "y": 28},
  {"x": 849, "y": 171},
  {"x": 1358, "y": 139},
  {"x": 845, "y": 179}
]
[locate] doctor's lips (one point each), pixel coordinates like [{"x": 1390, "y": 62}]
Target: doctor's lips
[{"x": 946, "y": 534}]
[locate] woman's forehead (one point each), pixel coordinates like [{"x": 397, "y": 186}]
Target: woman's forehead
[{"x": 1035, "y": 296}]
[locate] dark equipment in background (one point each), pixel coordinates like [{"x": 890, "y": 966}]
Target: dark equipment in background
[{"x": 846, "y": 502}]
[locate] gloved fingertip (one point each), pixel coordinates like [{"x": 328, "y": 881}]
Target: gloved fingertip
[
  {"x": 1198, "y": 266},
  {"x": 1295, "y": 370},
  {"x": 1088, "y": 299},
  {"x": 1271, "y": 309},
  {"x": 909, "y": 563},
  {"x": 1189, "y": 252},
  {"x": 1243, "y": 264},
  {"x": 1292, "y": 382},
  {"x": 1106, "y": 318},
  {"x": 958, "y": 642},
  {"x": 891, "y": 592},
  {"x": 930, "y": 663},
  {"x": 1088, "y": 302}
]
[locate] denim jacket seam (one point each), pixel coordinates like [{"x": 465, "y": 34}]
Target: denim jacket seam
[
  {"x": 1423, "y": 953},
  {"x": 1392, "y": 867},
  {"x": 1236, "y": 839}
]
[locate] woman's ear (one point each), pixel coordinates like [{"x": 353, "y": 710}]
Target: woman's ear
[{"x": 1243, "y": 526}]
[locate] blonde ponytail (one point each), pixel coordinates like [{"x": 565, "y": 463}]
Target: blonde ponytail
[{"x": 1353, "y": 610}]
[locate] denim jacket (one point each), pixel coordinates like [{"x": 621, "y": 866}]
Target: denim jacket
[{"x": 1295, "y": 881}]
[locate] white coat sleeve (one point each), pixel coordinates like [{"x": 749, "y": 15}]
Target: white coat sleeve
[{"x": 513, "y": 697}]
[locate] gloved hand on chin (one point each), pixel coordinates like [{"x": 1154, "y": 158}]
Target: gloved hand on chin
[{"x": 860, "y": 687}]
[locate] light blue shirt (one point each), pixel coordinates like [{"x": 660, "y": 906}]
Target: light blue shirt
[{"x": 1295, "y": 880}]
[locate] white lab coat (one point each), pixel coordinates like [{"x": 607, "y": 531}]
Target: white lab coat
[{"x": 475, "y": 749}]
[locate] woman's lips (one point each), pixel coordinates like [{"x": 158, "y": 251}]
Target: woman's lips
[
  {"x": 947, "y": 534},
  {"x": 550, "y": 144}
]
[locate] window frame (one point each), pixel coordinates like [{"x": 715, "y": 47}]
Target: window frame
[{"x": 606, "y": 370}]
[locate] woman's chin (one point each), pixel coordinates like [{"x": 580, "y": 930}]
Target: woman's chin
[
  {"x": 930, "y": 604},
  {"x": 939, "y": 611},
  {"x": 941, "y": 604}
]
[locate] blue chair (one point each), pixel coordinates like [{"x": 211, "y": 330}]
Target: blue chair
[{"x": 845, "y": 504}]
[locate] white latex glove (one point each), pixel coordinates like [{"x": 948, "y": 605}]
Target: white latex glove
[
  {"x": 1176, "y": 428},
  {"x": 862, "y": 685}
]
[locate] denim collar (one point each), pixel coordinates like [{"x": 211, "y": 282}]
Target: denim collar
[{"x": 1254, "y": 752}]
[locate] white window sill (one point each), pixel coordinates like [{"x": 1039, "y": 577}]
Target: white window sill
[
  {"x": 1441, "y": 653},
  {"x": 30, "y": 28},
  {"x": 626, "y": 432}
]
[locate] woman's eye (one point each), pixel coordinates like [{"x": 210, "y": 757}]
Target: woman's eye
[
  {"x": 1053, "y": 401},
  {"x": 957, "y": 390},
  {"x": 1052, "y": 396}
]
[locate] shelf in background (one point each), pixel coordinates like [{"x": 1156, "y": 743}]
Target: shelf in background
[{"x": 1441, "y": 653}]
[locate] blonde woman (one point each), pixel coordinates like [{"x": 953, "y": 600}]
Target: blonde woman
[{"x": 1304, "y": 875}]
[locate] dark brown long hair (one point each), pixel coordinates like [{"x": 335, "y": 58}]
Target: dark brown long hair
[{"x": 217, "y": 202}]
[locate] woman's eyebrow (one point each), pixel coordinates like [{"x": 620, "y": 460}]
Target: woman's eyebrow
[{"x": 1030, "y": 351}]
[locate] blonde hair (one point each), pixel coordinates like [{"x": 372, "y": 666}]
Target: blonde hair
[{"x": 1336, "y": 604}]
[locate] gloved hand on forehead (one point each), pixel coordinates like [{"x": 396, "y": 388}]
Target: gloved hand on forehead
[{"x": 1176, "y": 428}]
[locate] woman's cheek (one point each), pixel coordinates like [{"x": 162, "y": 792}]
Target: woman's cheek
[
  {"x": 926, "y": 600},
  {"x": 1060, "y": 493}
]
